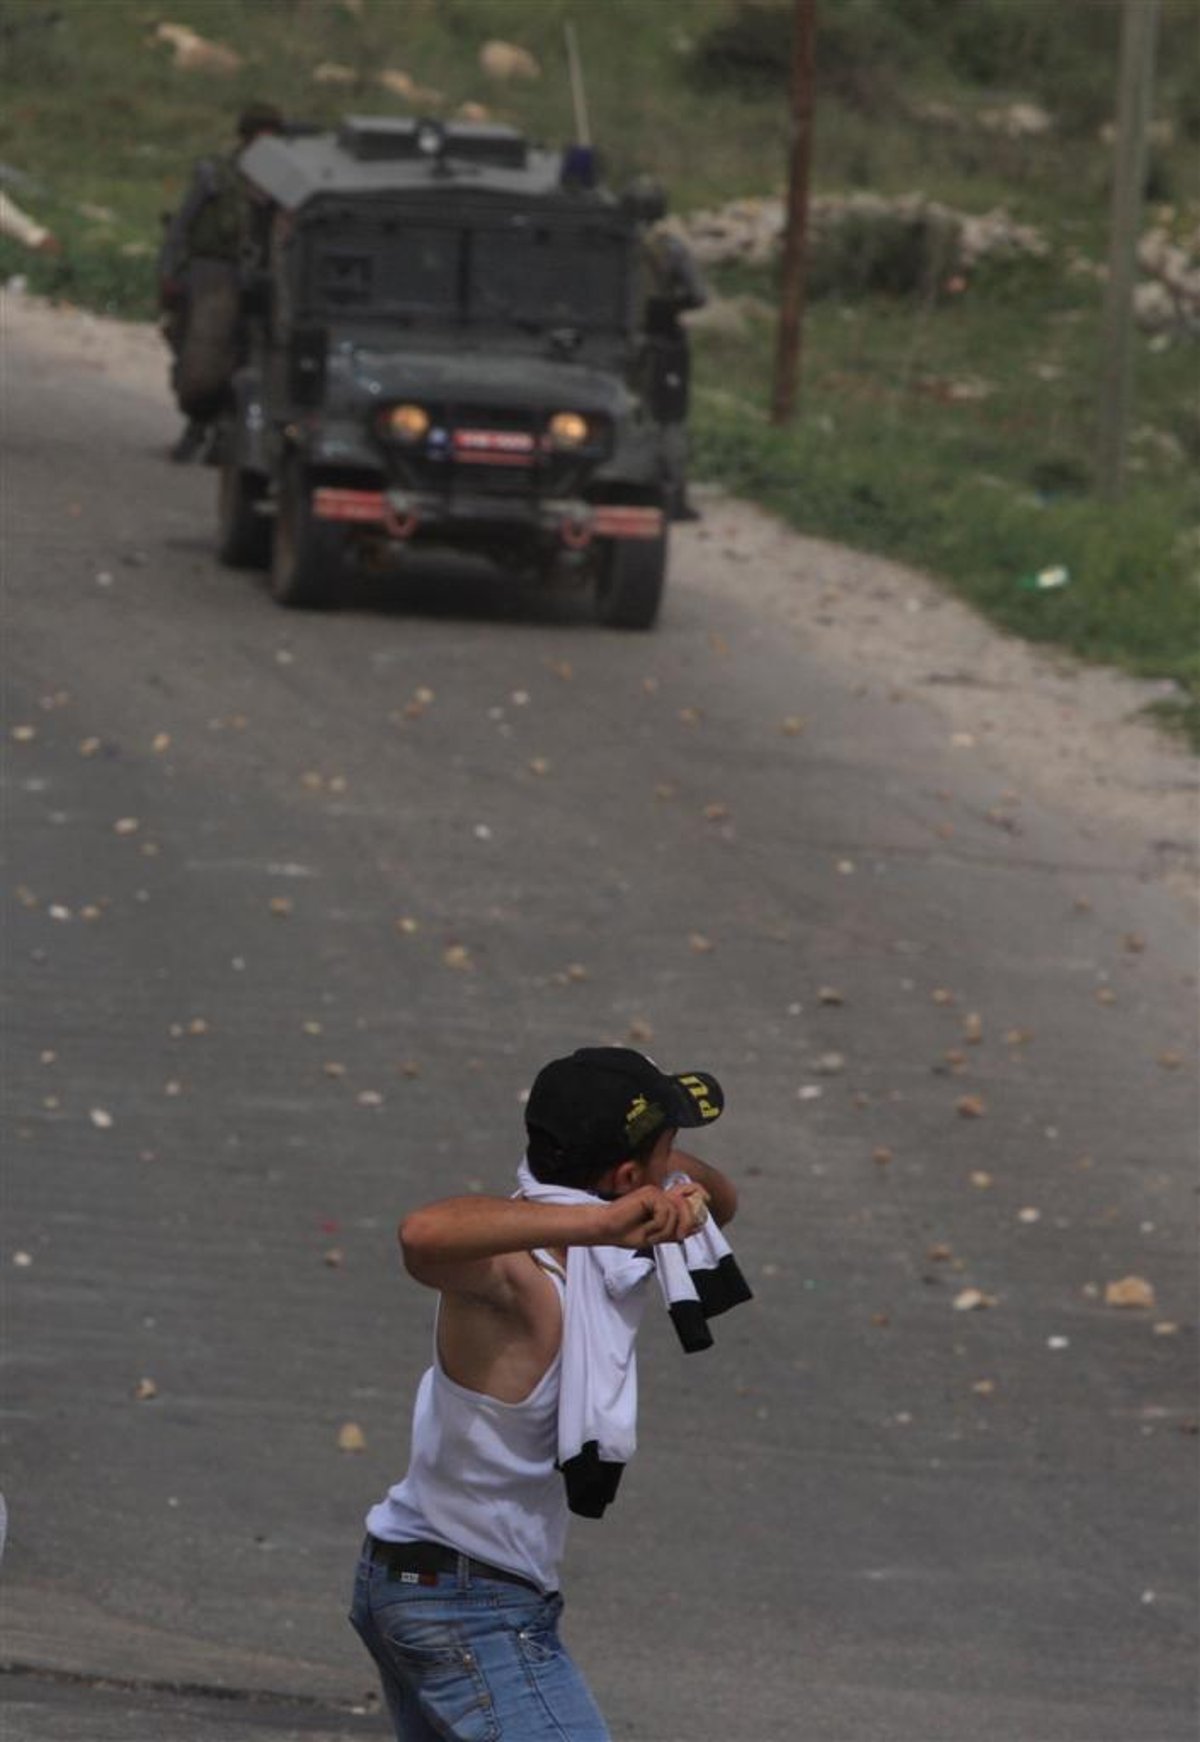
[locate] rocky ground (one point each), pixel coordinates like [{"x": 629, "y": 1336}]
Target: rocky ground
[
  {"x": 1072, "y": 734},
  {"x": 297, "y": 904}
]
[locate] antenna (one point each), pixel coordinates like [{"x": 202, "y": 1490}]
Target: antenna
[{"x": 583, "y": 134}]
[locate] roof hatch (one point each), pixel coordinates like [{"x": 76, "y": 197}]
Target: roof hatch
[{"x": 391, "y": 139}]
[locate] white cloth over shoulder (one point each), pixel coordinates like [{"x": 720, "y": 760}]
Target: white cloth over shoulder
[{"x": 602, "y": 1311}]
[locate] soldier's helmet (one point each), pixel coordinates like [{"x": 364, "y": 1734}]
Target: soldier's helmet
[
  {"x": 258, "y": 118},
  {"x": 647, "y": 199}
]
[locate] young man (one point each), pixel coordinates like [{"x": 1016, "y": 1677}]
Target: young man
[{"x": 529, "y": 1409}]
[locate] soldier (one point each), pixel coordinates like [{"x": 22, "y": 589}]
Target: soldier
[
  {"x": 198, "y": 284},
  {"x": 673, "y": 287}
]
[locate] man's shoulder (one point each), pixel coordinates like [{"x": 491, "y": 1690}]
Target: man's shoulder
[{"x": 214, "y": 174}]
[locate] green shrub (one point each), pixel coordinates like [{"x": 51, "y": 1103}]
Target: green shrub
[
  {"x": 751, "y": 50},
  {"x": 895, "y": 253},
  {"x": 861, "y": 50}
]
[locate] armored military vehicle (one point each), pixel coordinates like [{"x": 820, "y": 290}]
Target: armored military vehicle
[{"x": 446, "y": 344}]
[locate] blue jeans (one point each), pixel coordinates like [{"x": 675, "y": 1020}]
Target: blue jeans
[{"x": 471, "y": 1659}]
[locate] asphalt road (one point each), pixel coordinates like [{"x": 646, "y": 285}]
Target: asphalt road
[{"x": 296, "y": 905}]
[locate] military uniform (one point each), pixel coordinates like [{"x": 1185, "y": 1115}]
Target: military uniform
[
  {"x": 672, "y": 287},
  {"x": 198, "y": 274},
  {"x": 199, "y": 284}
]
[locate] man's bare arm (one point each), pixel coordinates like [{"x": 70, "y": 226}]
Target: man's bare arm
[
  {"x": 466, "y": 1230},
  {"x": 451, "y": 1244}
]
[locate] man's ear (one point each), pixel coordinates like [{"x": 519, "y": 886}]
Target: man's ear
[{"x": 626, "y": 1177}]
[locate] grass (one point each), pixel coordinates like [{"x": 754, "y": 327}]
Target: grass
[
  {"x": 887, "y": 453},
  {"x": 984, "y": 491}
]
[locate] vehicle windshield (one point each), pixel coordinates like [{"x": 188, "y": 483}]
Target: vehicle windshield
[
  {"x": 542, "y": 275},
  {"x": 388, "y": 272},
  {"x": 524, "y": 273}
]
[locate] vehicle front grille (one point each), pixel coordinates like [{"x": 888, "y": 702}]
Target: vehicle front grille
[{"x": 484, "y": 451}]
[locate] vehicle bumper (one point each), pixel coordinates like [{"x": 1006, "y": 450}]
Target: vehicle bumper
[{"x": 406, "y": 514}]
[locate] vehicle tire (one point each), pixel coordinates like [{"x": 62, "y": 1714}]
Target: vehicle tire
[
  {"x": 243, "y": 534},
  {"x": 208, "y": 345},
  {"x": 308, "y": 555},
  {"x": 629, "y": 587}
]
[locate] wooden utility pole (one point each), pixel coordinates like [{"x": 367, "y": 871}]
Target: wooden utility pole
[
  {"x": 791, "y": 272},
  {"x": 1139, "y": 23},
  {"x": 583, "y": 131}
]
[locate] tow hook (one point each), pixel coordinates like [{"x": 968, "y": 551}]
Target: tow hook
[
  {"x": 399, "y": 523},
  {"x": 576, "y": 533}
]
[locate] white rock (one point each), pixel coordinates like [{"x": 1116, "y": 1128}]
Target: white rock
[
  {"x": 402, "y": 84},
  {"x": 1017, "y": 120},
  {"x": 193, "y": 53},
  {"x": 505, "y": 61},
  {"x": 333, "y": 73}
]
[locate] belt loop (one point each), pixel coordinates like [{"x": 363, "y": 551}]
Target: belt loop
[{"x": 464, "y": 1572}]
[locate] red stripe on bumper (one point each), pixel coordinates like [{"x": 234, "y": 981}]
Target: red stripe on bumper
[
  {"x": 366, "y": 506},
  {"x": 611, "y": 520}
]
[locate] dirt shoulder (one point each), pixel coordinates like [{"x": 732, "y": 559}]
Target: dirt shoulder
[
  {"x": 1070, "y": 733},
  {"x": 130, "y": 351}
]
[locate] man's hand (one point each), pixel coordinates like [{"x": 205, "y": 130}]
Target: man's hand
[
  {"x": 650, "y": 1216},
  {"x": 720, "y": 1194},
  {"x": 697, "y": 1201}
]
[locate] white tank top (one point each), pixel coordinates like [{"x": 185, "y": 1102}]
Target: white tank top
[{"x": 481, "y": 1474}]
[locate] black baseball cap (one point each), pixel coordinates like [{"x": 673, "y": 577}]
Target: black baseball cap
[{"x": 602, "y": 1101}]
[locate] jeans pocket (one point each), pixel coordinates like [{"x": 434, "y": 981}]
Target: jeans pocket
[
  {"x": 360, "y": 1599},
  {"x": 538, "y": 1638},
  {"x": 434, "y": 1660},
  {"x": 538, "y": 1649}
]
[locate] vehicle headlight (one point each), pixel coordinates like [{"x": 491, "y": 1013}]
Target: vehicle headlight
[
  {"x": 567, "y": 429},
  {"x": 405, "y": 423}
]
